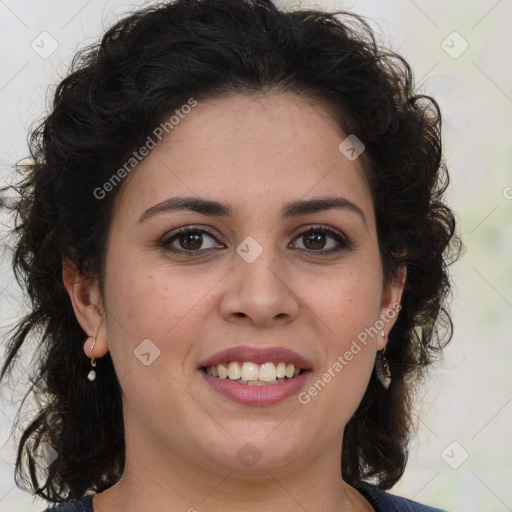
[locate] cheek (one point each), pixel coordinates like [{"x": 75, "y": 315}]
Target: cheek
[
  {"x": 349, "y": 306},
  {"x": 351, "y": 298},
  {"x": 348, "y": 355},
  {"x": 154, "y": 302},
  {"x": 153, "y": 312}
]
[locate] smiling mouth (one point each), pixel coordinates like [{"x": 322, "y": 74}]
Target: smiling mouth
[{"x": 252, "y": 374}]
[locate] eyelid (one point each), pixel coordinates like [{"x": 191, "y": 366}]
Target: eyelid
[
  {"x": 340, "y": 237},
  {"x": 345, "y": 242},
  {"x": 166, "y": 239}
]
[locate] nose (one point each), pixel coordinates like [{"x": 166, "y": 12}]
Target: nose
[{"x": 258, "y": 293}]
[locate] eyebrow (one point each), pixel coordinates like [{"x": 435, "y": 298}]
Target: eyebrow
[{"x": 217, "y": 209}]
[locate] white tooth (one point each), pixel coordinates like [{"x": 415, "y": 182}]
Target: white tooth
[
  {"x": 250, "y": 371},
  {"x": 267, "y": 372},
  {"x": 213, "y": 370},
  {"x": 281, "y": 370},
  {"x": 290, "y": 368},
  {"x": 296, "y": 372},
  {"x": 234, "y": 370},
  {"x": 208, "y": 370},
  {"x": 223, "y": 371}
]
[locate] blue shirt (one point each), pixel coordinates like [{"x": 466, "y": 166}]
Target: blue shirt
[{"x": 380, "y": 500}]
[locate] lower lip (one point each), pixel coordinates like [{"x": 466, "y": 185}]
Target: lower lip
[{"x": 256, "y": 395}]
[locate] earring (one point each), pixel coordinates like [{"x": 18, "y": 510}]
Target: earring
[
  {"x": 382, "y": 367},
  {"x": 92, "y": 374}
]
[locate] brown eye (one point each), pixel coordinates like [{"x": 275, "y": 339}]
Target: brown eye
[
  {"x": 322, "y": 240},
  {"x": 190, "y": 241},
  {"x": 314, "y": 240}
]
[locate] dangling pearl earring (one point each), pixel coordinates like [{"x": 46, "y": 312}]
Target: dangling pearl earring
[
  {"x": 381, "y": 366},
  {"x": 92, "y": 374}
]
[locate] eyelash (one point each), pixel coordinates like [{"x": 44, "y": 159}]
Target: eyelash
[{"x": 341, "y": 239}]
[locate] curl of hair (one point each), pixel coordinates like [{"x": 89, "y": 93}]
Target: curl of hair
[{"x": 146, "y": 66}]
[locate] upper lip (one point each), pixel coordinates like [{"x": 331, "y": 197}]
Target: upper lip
[{"x": 257, "y": 355}]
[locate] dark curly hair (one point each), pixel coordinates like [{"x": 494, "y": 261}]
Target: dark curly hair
[{"x": 146, "y": 66}]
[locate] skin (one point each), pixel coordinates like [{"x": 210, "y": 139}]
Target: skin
[{"x": 255, "y": 153}]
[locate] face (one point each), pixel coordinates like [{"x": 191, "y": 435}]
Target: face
[{"x": 269, "y": 273}]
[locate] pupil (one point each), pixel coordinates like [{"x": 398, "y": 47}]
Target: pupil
[
  {"x": 316, "y": 239},
  {"x": 185, "y": 239}
]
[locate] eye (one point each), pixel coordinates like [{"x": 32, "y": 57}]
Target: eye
[
  {"x": 189, "y": 240},
  {"x": 315, "y": 239}
]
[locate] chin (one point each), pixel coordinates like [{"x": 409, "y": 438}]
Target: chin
[{"x": 263, "y": 450}]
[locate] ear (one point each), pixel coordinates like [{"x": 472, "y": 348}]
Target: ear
[
  {"x": 86, "y": 300},
  {"x": 390, "y": 303}
]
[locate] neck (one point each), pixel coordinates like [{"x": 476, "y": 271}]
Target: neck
[{"x": 153, "y": 480}]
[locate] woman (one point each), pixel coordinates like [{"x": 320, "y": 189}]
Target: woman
[{"x": 234, "y": 238}]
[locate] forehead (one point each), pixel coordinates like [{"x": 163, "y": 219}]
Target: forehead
[{"x": 253, "y": 151}]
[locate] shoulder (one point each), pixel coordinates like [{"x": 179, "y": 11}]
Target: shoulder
[
  {"x": 386, "y": 502},
  {"x": 83, "y": 505}
]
